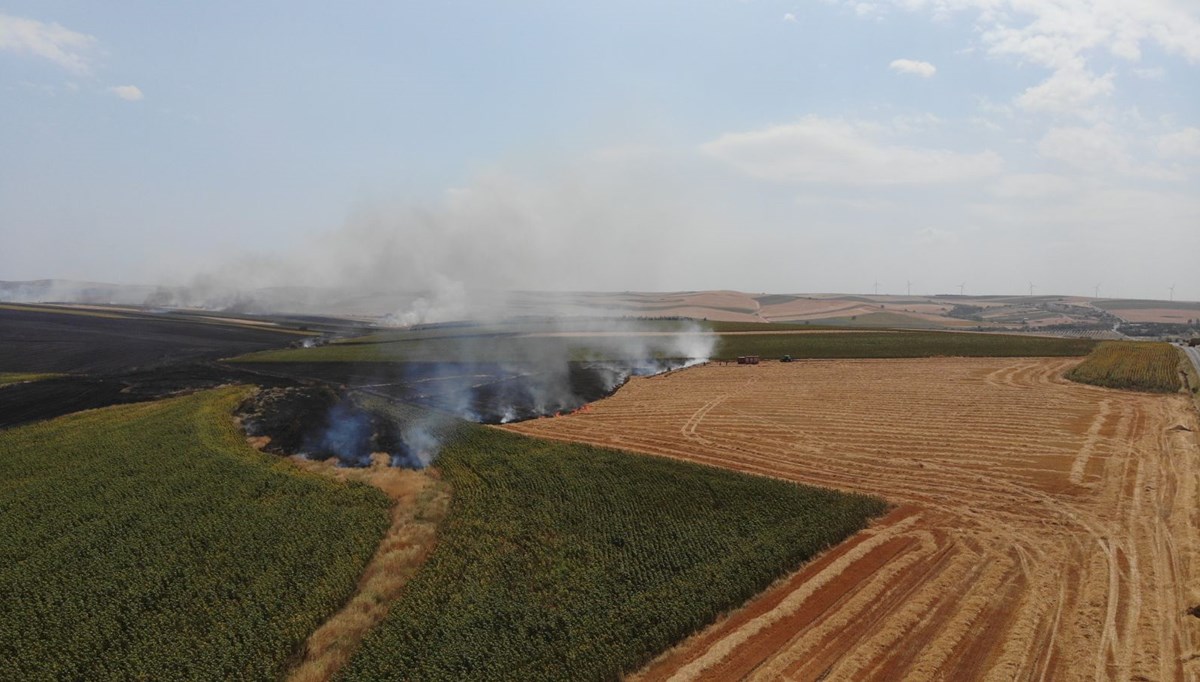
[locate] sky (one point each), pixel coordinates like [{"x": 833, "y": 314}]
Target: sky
[{"x": 757, "y": 145}]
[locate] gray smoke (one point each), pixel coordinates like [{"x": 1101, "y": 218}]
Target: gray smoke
[
  {"x": 614, "y": 221},
  {"x": 500, "y": 248},
  {"x": 551, "y": 367}
]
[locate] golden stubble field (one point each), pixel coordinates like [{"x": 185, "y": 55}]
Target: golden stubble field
[{"x": 1043, "y": 529}]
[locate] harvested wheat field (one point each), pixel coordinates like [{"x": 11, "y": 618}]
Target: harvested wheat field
[{"x": 1043, "y": 529}]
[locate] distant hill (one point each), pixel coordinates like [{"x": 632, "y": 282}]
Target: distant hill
[
  {"x": 1032, "y": 313},
  {"x": 69, "y": 291}
]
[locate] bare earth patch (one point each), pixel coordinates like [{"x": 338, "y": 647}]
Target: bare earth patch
[
  {"x": 1165, "y": 315},
  {"x": 1044, "y": 529}
]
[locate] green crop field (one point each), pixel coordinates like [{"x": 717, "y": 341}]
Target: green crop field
[
  {"x": 504, "y": 347},
  {"x": 18, "y": 377},
  {"x": 470, "y": 348},
  {"x": 899, "y": 345},
  {"x": 149, "y": 542},
  {"x": 1133, "y": 365},
  {"x": 473, "y": 348},
  {"x": 718, "y": 326},
  {"x": 569, "y": 562},
  {"x": 885, "y": 319}
]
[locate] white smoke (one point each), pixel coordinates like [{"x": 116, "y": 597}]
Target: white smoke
[
  {"x": 605, "y": 222},
  {"x": 423, "y": 446},
  {"x": 445, "y": 302}
]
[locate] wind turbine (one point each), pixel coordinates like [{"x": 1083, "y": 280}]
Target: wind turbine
[
  {"x": 910, "y": 287},
  {"x": 876, "y": 287},
  {"x": 1097, "y": 288},
  {"x": 961, "y": 287},
  {"x": 1172, "y": 287},
  {"x": 1031, "y": 288}
]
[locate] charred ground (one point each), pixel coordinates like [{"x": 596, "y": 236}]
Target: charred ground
[
  {"x": 108, "y": 356},
  {"x": 484, "y": 392},
  {"x": 318, "y": 422},
  {"x": 77, "y": 341},
  {"x": 114, "y": 357}
]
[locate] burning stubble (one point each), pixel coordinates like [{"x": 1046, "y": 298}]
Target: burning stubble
[
  {"x": 476, "y": 374},
  {"x": 556, "y": 370}
]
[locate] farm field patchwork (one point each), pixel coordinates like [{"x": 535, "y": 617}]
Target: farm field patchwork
[
  {"x": 1045, "y": 529},
  {"x": 151, "y": 542}
]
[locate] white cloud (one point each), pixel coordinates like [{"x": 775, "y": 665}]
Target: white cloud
[
  {"x": 866, "y": 9},
  {"x": 932, "y": 236},
  {"x": 1185, "y": 142},
  {"x": 1054, "y": 32},
  {"x": 819, "y": 150},
  {"x": 67, "y": 48},
  {"x": 1068, "y": 90},
  {"x": 129, "y": 93},
  {"x": 790, "y": 18},
  {"x": 1155, "y": 73},
  {"x": 912, "y": 67},
  {"x": 985, "y": 123},
  {"x": 1031, "y": 186},
  {"x": 1097, "y": 150},
  {"x": 1064, "y": 35},
  {"x": 914, "y": 123}
]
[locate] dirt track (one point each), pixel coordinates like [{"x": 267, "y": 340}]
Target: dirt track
[{"x": 1044, "y": 530}]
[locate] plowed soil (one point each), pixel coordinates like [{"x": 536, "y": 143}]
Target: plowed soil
[{"x": 1044, "y": 529}]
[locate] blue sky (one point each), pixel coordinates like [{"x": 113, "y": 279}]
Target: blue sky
[{"x": 814, "y": 145}]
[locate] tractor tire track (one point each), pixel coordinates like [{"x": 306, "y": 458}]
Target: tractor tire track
[{"x": 1046, "y": 530}]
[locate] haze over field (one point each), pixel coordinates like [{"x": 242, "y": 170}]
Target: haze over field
[{"x": 459, "y": 148}]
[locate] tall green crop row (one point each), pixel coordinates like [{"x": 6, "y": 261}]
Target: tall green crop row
[
  {"x": 412, "y": 347},
  {"x": 569, "y": 562},
  {"x": 899, "y": 344},
  {"x": 149, "y": 542},
  {"x": 1134, "y": 365}
]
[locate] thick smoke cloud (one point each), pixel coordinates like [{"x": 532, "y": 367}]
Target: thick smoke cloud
[
  {"x": 609, "y": 224},
  {"x": 479, "y": 254}
]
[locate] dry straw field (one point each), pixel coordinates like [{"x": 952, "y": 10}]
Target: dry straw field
[{"x": 1043, "y": 529}]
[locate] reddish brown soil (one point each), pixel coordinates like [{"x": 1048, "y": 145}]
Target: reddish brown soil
[{"x": 1044, "y": 529}]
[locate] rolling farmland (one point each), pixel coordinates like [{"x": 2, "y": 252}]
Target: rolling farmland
[
  {"x": 1045, "y": 529},
  {"x": 1041, "y": 527}
]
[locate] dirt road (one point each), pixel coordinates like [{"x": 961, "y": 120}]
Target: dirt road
[
  {"x": 1193, "y": 354},
  {"x": 1044, "y": 530}
]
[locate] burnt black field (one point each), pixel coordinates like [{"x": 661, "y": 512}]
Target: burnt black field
[
  {"x": 33, "y": 340},
  {"x": 485, "y": 392},
  {"x": 119, "y": 359},
  {"x": 134, "y": 357},
  {"x": 49, "y": 398}
]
